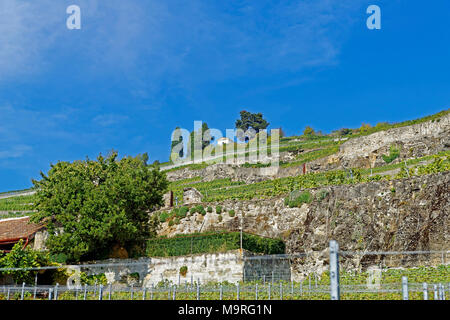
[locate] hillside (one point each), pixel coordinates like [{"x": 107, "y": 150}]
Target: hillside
[{"x": 380, "y": 204}]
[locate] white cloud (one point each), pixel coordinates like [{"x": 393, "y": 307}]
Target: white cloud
[
  {"x": 172, "y": 40},
  {"x": 27, "y": 28},
  {"x": 16, "y": 151},
  {"x": 106, "y": 120}
]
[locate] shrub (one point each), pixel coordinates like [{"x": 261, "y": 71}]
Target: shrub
[
  {"x": 171, "y": 222},
  {"x": 93, "y": 278},
  {"x": 210, "y": 209},
  {"x": 393, "y": 154},
  {"x": 220, "y": 218},
  {"x": 218, "y": 209},
  {"x": 304, "y": 197},
  {"x": 231, "y": 213},
  {"x": 163, "y": 216},
  {"x": 183, "y": 271},
  {"x": 182, "y": 212},
  {"x": 192, "y": 211},
  {"x": 26, "y": 258},
  {"x": 323, "y": 194}
]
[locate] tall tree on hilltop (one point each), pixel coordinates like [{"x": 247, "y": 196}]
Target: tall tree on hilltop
[{"x": 251, "y": 120}]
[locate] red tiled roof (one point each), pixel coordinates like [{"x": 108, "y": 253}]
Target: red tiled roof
[{"x": 18, "y": 228}]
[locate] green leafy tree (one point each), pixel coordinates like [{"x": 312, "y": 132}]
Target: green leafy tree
[
  {"x": 308, "y": 131},
  {"x": 145, "y": 158},
  {"x": 251, "y": 120},
  {"x": 345, "y": 131},
  {"x": 90, "y": 206}
]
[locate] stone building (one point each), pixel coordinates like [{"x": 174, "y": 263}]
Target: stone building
[{"x": 192, "y": 195}]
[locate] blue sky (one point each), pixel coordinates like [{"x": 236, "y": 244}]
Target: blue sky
[{"x": 139, "y": 68}]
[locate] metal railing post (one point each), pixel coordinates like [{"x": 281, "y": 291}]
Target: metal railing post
[
  {"x": 281, "y": 290},
  {"x": 425, "y": 291},
  {"x": 334, "y": 271},
  {"x": 435, "y": 292},
  {"x": 21, "y": 292},
  {"x": 405, "y": 288},
  {"x": 56, "y": 291},
  {"x": 309, "y": 282},
  {"x": 256, "y": 292},
  {"x": 100, "y": 293},
  {"x": 168, "y": 292},
  {"x": 35, "y": 286}
]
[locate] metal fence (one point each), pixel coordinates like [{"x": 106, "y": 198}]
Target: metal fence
[
  {"x": 245, "y": 291},
  {"x": 377, "y": 275}
]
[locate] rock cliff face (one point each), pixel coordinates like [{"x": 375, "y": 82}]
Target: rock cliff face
[
  {"x": 407, "y": 214},
  {"x": 412, "y": 141}
]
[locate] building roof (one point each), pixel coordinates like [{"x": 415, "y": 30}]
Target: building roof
[
  {"x": 17, "y": 228},
  {"x": 224, "y": 139}
]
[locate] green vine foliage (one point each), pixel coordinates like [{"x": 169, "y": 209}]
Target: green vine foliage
[
  {"x": 212, "y": 242},
  {"x": 19, "y": 257},
  {"x": 222, "y": 189},
  {"x": 93, "y": 279}
]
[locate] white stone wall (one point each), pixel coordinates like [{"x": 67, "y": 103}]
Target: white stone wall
[{"x": 204, "y": 268}]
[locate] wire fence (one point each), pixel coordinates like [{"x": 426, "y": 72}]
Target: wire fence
[{"x": 254, "y": 291}]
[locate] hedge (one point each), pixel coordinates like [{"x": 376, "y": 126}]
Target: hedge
[{"x": 212, "y": 242}]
